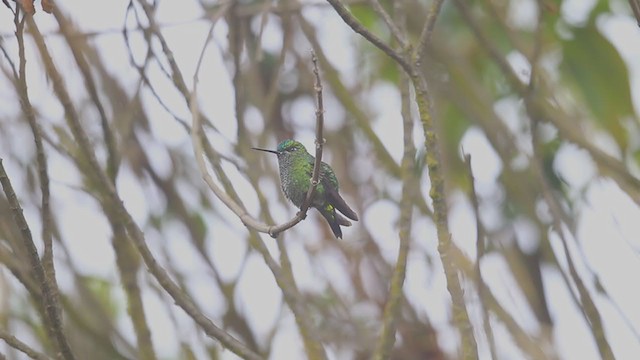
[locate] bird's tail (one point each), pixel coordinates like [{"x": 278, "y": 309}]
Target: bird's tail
[{"x": 334, "y": 219}]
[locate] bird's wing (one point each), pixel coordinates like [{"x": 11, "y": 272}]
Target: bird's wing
[
  {"x": 330, "y": 184},
  {"x": 338, "y": 202}
]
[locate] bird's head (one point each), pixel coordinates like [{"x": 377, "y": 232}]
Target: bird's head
[{"x": 285, "y": 148}]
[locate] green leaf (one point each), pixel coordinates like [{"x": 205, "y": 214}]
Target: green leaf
[{"x": 600, "y": 77}]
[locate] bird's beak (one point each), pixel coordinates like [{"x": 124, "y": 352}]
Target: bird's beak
[{"x": 265, "y": 150}]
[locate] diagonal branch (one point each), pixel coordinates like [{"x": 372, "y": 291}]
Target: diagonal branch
[
  {"x": 354, "y": 24},
  {"x": 395, "y": 30},
  {"x": 20, "y": 346},
  {"x": 110, "y": 198}
]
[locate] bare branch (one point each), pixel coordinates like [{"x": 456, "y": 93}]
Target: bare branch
[
  {"x": 395, "y": 31},
  {"x": 22, "y": 347},
  {"x": 52, "y": 312},
  {"x": 350, "y": 20},
  {"x": 319, "y": 138},
  {"x": 427, "y": 30},
  {"x": 387, "y": 336},
  {"x": 480, "y": 250}
]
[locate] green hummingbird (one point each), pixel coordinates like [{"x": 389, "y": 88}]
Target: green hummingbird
[{"x": 296, "y": 169}]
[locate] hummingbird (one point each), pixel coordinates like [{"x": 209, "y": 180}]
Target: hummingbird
[{"x": 296, "y": 169}]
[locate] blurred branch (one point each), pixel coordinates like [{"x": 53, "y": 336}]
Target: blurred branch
[
  {"x": 387, "y": 336},
  {"x": 41, "y": 160},
  {"x": 51, "y": 309},
  {"x": 128, "y": 265},
  {"x": 480, "y": 251},
  {"x": 27, "y": 109},
  {"x": 361, "y": 119},
  {"x": 587, "y": 305},
  {"x": 20, "y": 346},
  {"x": 395, "y": 31},
  {"x": 635, "y": 7},
  {"x": 111, "y": 200},
  {"x": 67, "y": 30},
  {"x": 354, "y": 24},
  {"x": 436, "y": 175},
  {"x": 427, "y": 30},
  {"x": 529, "y": 345},
  {"x": 544, "y": 109},
  {"x": 344, "y": 95}
]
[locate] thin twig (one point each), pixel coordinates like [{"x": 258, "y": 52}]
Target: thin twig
[
  {"x": 427, "y": 30},
  {"x": 112, "y": 200},
  {"x": 395, "y": 30},
  {"x": 52, "y": 312},
  {"x": 387, "y": 336},
  {"x": 436, "y": 176},
  {"x": 41, "y": 160},
  {"x": 319, "y": 136},
  {"x": 67, "y": 30},
  {"x": 528, "y": 344},
  {"x": 587, "y": 305},
  {"x": 480, "y": 250},
  {"x": 354, "y": 24}
]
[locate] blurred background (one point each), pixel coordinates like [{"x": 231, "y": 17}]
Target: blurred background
[{"x": 545, "y": 241}]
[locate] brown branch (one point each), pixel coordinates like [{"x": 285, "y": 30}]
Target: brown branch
[
  {"x": 529, "y": 345},
  {"x": 436, "y": 176},
  {"x": 387, "y": 336},
  {"x": 480, "y": 251},
  {"x": 319, "y": 138},
  {"x": 586, "y": 304},
  {"x": 111, "y": 199},
  {"x": 52, "y": 312},
  {"x": 22, "y": 347},
  {"x": 67, "y": 30},
  {"x": 395, "y": 30},
  {"x": 41, "y": 161},
  {"x": 354, "y": 24},
  {"x": 427, "y": 30}
]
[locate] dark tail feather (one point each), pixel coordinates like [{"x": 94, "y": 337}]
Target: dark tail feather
[
  {"x": 329, "y": 213},
  {"x": 336, "y": 200}
]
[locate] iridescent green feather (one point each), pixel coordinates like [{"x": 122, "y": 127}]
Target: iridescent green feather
[{"x": 296, "y": 169}]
